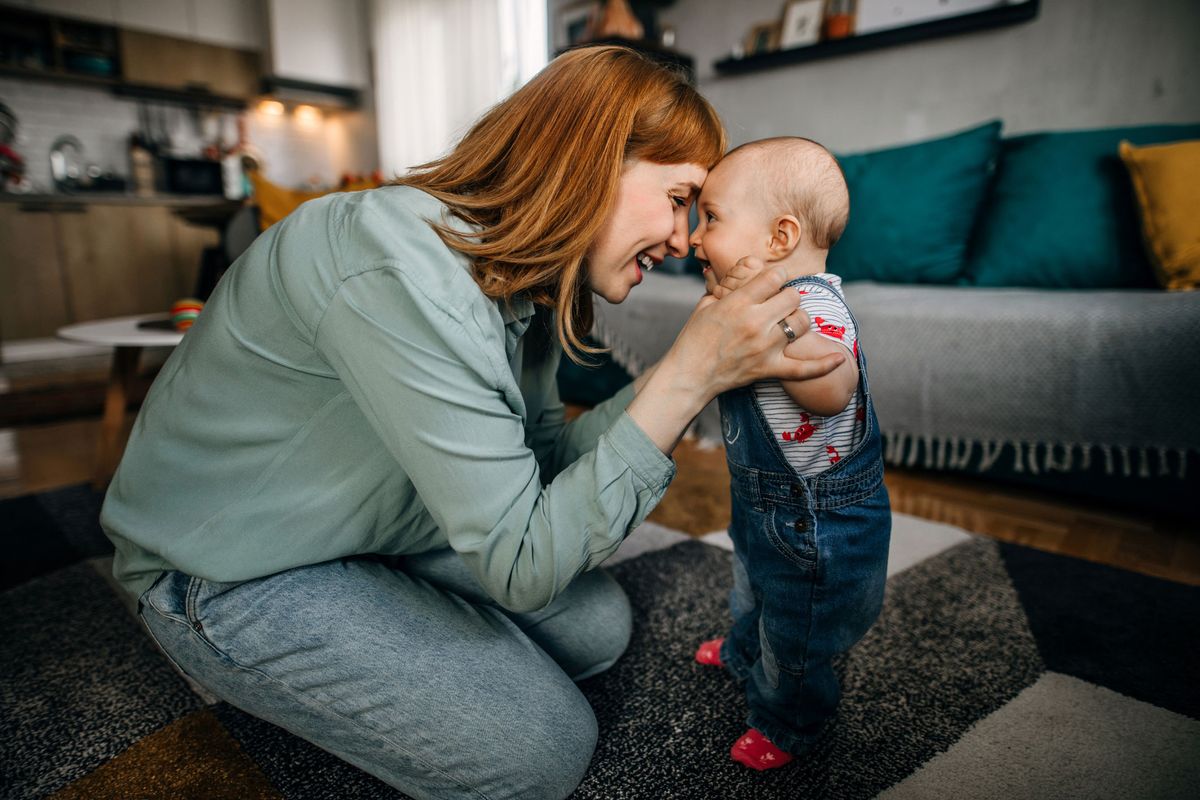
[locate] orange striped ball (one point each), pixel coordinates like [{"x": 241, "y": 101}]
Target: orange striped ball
[{"x": 184, "y": 313}]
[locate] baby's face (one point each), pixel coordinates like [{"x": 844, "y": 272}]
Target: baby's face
[{"x": 733, "y": 221}]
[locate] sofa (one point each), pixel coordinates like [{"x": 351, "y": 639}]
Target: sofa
[{"x": 1013, "y": 321}]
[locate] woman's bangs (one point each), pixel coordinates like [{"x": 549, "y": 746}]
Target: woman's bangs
[{"x": 688, "y": 132}]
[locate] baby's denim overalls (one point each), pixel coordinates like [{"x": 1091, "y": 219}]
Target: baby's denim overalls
[{"x": 809, "y": 568}]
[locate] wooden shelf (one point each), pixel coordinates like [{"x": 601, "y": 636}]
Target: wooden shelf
[
  {"x": 219, "y": 77},
  {"x": 950, "y": 26}
]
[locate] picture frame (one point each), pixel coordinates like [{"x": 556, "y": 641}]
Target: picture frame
[
  {"x": 574, "y": 24},
  {"x": 801, "y": 24},
  {"x": 762, "y": 38}
]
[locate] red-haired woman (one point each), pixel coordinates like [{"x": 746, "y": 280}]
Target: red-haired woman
[{"x": 351, "y": 504}]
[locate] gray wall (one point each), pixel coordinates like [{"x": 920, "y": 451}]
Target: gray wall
[{"x": 1080, "y": 63}]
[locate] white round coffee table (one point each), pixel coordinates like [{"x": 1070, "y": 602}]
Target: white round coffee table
[{"x": 127, "y": 335}]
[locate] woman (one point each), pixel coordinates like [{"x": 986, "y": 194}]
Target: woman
[{"x": 350, "y": 504}]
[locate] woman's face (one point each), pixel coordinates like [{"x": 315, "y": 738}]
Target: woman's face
[{"x": 648, "y": 221}]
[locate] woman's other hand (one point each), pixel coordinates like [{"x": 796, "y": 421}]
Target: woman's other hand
[{"x": 726, "y": 343}]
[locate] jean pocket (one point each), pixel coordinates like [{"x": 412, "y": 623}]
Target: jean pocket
[
  {"x": 793, "y": 533},
  {"x": 174, "y": 626},
  {"x": 167, "y": 596}
]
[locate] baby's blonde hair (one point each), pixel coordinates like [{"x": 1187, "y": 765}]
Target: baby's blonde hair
[{"x": 804, "y": 179}]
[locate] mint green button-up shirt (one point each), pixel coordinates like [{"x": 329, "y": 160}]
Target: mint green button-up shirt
[{"x": 350, "y": 390}]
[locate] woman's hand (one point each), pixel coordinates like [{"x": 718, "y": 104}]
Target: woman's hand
[
  {"x": 726, "y": 343},
  {"x": 738, "y": 339},
  {"x": 742, "y": 272}
]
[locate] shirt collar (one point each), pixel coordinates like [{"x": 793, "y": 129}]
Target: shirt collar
[{"x": 519, "y": 309}]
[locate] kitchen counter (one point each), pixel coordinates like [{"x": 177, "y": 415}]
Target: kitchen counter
[{"x": 115, "y": 198}]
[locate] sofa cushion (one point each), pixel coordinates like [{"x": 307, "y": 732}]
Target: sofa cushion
[
  {"x": 912, "y": 208},
  {"x": 1166, "y": 182},
  {"x": 1061, "y": 214}
]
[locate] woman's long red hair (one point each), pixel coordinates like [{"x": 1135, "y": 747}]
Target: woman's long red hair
[{"x": 537, "y": 175}]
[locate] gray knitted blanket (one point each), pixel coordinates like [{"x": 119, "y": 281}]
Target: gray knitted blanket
[{"x": 1055, "y": 379}]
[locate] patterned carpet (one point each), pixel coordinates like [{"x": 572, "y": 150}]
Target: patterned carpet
[{"x": 995, "y": 671}]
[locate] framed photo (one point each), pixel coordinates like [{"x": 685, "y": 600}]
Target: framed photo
[
  {"x": 801, "y": 23},
  {"x": 574, "y": 24},
  {"x": 762, "y": 38}
]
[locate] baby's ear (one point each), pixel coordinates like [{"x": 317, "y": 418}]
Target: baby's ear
[{"x": 786, "y": 232}]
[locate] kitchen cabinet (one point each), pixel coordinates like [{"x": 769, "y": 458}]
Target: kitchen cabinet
[
  {"x": 92, "y": 10},
  {"x": 117, "y": 260},
  {"x": 168, "y": 62},
  {"x": 33, "y": 299},
  {"x": 72, "y": 262},
  {"x": 319, "y": 42},
  {"x": 171, "y": 17},
  {"x": 232, "y": 23}
]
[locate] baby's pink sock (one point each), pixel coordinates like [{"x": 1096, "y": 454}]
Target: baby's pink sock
[
  {"x": 709, "y": 653},
  {"x": 755, "y": 751}
]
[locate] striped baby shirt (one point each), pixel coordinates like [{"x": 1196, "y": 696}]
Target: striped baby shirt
[{"x": 811, "y": 443}]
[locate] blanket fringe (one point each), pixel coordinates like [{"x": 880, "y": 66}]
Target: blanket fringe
[
  {"x": 624, "y": 356},
  {"x": 991, "y": 452},
  {"x": 1035, "y": 458},
  {"x": 914, "y": 447}
]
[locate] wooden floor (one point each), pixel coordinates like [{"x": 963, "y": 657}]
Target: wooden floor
[
  {"x": 1165, "y": 546},
  {"x": 43, "y": 456}
]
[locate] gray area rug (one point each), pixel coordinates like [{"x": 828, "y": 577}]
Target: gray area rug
[
  {"x": 950, "y": 647},
  {"x": 995, "y": 671}
]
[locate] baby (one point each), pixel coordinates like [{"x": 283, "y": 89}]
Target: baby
[{"x": 811, "y": 519}]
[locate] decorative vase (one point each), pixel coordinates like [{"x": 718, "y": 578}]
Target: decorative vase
[{"x": 617, "y": 20}]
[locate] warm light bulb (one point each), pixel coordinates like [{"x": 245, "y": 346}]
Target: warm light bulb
[
  {"x": 273, "y": 108},
  {"x": 308, "y": 115}
]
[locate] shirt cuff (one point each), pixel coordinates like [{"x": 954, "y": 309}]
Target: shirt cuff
[{"x": 648, "y": 463}]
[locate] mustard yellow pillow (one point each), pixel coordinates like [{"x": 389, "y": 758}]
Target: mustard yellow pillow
[{"x": 1166, "y": 180}]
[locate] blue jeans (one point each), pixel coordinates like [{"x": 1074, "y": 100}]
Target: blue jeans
[
  {"x": 808, "y": 582},
  {"x": 405, "y": 669},
  {"x": 809, "y": 569}
]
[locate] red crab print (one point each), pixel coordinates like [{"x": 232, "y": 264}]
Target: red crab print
[
  {"x": 804, "y": 432},
  {"x": 833, "y": 454},
  {"x": 829, "y": 329}
]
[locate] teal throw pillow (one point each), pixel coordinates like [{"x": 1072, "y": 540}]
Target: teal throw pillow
[
  {"x": 912, "y": 208},
  {"x": 1061, "y": 212}
]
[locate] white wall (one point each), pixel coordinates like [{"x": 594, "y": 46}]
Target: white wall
[
  {"x": 45, "y": 111},
  {"x": 1080, "y": 63},
  {"x": 299, "y": 153}
]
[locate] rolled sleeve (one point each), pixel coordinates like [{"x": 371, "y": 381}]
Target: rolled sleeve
[
  {"x": 649, "y": 464},
  {"x": 559, "y": 443}
]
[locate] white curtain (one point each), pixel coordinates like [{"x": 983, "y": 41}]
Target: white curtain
[{"x": 439, "y": 64}]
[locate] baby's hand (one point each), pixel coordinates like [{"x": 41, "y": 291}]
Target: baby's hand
[{"x": 745, "y": 269}]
